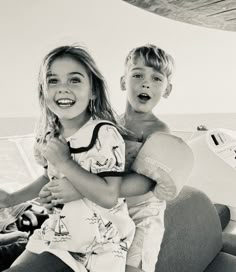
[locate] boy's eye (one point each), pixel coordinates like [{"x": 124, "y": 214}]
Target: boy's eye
[
  {"x": 157, "y": 78},
  {"x": 52, "y": 81}
]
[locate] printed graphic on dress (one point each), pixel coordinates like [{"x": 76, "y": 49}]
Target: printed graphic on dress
[
  {"x": 61, "y": 232},
  {"x": 122, "y": 249}
]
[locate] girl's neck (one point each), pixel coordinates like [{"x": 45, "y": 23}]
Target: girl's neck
[{"x": 71, "y": 126}]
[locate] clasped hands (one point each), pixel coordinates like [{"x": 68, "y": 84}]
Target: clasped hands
[{"x": 58, "y": 190}]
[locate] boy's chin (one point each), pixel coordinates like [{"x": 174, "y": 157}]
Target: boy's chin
[{"x": 143, "y": 109}]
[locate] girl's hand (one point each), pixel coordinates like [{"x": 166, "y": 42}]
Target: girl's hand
[
  {"x": 4, "y": 199},
  {"x": 57, "y": 151},
  {"x": 63, "y": 191},
  {"x": 46, "y": 198}
]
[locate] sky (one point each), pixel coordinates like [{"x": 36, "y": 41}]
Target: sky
[{"x": 205, "y": 74}]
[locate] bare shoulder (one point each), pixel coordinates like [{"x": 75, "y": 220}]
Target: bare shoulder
[
  {"x": 156, "y": 125},
  {"x": 162, "y": 126}
]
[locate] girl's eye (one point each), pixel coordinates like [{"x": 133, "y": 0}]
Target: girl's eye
[
  {"x": 75, "y": 80},
  {"x": 52, "y": 81}
]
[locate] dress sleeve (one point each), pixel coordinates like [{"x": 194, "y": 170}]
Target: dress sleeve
[{"x": 107, "y": 156}]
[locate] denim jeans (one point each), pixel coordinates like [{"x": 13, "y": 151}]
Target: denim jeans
[{"x": 9, "y": 252}]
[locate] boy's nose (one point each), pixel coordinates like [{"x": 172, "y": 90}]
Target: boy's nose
[{"x": 145, "y": 86}]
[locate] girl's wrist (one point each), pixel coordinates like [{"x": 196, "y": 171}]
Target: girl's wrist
[{"x": 63, "y": 165}]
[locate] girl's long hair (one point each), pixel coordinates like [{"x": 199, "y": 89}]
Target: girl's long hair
[{"x": 49, "y": 122}]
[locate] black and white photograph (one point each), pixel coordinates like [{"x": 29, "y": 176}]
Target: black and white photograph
[{"x": 118, "y": 136}]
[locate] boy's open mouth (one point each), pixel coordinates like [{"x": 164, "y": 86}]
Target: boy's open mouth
[
  {"x": 65, "y": 102},
  {"x": 144, "y": 97}
]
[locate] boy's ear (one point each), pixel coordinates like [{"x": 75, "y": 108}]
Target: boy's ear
[
  {"x": 122, "y": 83},
  {"x": 168, "y": 90}
]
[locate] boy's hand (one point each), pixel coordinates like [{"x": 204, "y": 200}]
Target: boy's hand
[
  {"x": 57, "y": 151},
  {"x": 63, "y": 191},
  {"x": 4, "y": 199}
]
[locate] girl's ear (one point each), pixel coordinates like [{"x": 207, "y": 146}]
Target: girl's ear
[
  {"x": 167, "y": 90},
  {"x": 122, "y": 83}
]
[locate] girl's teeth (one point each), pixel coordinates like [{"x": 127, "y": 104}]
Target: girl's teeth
[{"x": 65, "y": 102}]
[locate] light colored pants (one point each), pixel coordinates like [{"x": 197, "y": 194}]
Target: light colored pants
[{"x": 148, "y": 217}]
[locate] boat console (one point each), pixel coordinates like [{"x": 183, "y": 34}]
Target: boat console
[{"x": 214, "y": 169}]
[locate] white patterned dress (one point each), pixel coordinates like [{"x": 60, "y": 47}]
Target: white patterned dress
[{"x": 86, "y": 236}]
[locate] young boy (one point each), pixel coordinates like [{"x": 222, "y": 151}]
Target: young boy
[{"x": 147, "y": 79}]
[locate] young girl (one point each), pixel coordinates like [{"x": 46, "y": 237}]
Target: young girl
[{"x": 78, "y": 141}]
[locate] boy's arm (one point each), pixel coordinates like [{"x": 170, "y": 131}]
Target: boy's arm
[
  {"x": 134, "y": 184},
  {"x": 27, "y": 193},
  {"x": 166, "y": 159}
]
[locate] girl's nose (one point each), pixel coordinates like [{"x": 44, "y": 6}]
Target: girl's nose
[{"x": 63, "y": 88}]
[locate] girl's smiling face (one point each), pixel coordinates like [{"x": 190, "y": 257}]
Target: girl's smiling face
[{"x": 68, "y": 88}]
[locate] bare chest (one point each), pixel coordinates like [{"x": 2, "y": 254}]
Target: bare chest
[{"x": 141, "y": 129}]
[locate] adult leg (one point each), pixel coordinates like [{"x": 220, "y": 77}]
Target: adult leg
[
  {"x": 31, "y": 262},
  {"x": 9, "y": 253}
]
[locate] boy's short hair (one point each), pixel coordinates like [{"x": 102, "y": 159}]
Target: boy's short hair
[{"x": 153, "y": 56}]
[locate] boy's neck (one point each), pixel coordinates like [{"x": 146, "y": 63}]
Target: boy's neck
[
  {"x": 141, "y": 124},
  {"x": 131, "y": 114}
]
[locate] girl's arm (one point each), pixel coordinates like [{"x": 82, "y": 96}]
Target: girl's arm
[
  {"x": 103, "y": 191},
  {"x": 134, "y": 184},
  {"x": 27, "y": 193}
]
